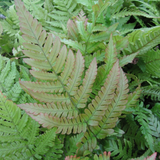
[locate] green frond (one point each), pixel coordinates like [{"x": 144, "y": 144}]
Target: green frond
[
  {"x": 62, "y": 11},
  {"x": 156, "y": 110},
  {"x": 103, "y": 36},
  {"x": 98, "y": 55},
  {"x": 121, "y": 42},
  {"x": 13, "y": 15},
  {"x": 14, "y": 93},
  {"x": 133, "y": 133},
  {"x": 154, "y": 125},
  {"x": 152, "y": 91},
  {"x": 19, "y": 134},
  {"x": 133, "y": 98},
  {"x": 100, "y": 79},
  {"x": 142, "y": 118},
  {"x": 152, "y": 62},
  {"x": 88, "y": 143},
  {"x": 142, "y": 40},
  {"x": 120, "y": 149},
  {"x": 104, "y": 156},
  {"x": 70, "y": 146},
  {"x": 55, "y": 152},
  {"x": 103, "y": 71},
  {"x": 48, "y": 4},
  {"x": 11, "y": 34},
  {"x": 87, "y": 3},
  {"x": 31, "y": 2},
  {"x": 9, "y": 84},
  {"x": 110, "y": 56},
  {"x": 125, "y": 13},
  {"x": 9, "y": 81}
]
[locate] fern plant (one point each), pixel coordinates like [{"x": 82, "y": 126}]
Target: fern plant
[
  {"x": 21, "y": 138},
  {"x": 64, "y": 86},
  {"x": 80, "y": 88}
]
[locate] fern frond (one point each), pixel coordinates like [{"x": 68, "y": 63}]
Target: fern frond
[
  {"x": 74, "y": 80},
  {"x": 83, "y": 93},
  {"x": 113, "y": 110},
  {"x": 152, "y": 91},
  {"x": 70, "y": 146},
  {"x": 142, "y": 118},
  {"x": 103, "y": 71},
  {"x": 74, "y": 84},
  {"x": 98, "y": 106},
  {"x": 141, "y": 41},
  {"x": 125, "y": 13},
  {"x": 87, "y": 37},
  {"x": 133, "y": 133},
  {"x": 110, "y": 56},
  {"x": 88, "y": 143},
  {"x": 62, "y": 11},
  {"x": 103, "y": 36},
  {"x": 120, "y": 149},
  {"x": 8, "y": 80},
  {"x": 154, "y": 125},
  {"x": 19, "y": 138},
  {"x": 152, "y": 61},
  {"x": 133, "y": 98}
]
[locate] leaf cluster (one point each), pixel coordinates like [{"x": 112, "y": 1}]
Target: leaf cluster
[{"x": 84, "y": 69}]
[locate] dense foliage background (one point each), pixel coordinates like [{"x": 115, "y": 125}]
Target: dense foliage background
[{"x": 103, "y": 38}]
